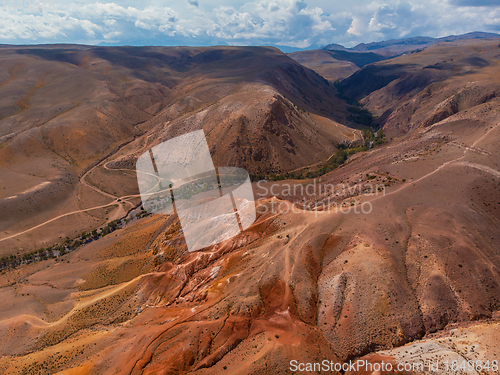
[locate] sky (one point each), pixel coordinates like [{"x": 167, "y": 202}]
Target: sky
[{"x": 292, "y": 23}]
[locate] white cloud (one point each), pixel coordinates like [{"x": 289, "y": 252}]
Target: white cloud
[
  {"x": 283, "y": 22},
  {"x": 112, "y": 36},
  {"x": 289, "y": 22},
  {"x": 357, "y": 27}
]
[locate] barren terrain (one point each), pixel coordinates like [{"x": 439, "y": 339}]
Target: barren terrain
[
  {"x": 395, "y": 258},
  {"x": 73, "y": 120}
]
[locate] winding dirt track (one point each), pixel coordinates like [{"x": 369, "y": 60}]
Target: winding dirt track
[
  {"x": 117, "y": 201},
  {"x": 456, "y": 161},
  {"x": 120, "y": 201}
]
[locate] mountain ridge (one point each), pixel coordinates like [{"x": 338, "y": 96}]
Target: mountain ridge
[{"x": 406, "y": 44}]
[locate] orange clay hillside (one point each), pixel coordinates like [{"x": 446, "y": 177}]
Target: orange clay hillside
[
  {"x": 413, "y": 277},
  {"x": 74, "y": 119}
]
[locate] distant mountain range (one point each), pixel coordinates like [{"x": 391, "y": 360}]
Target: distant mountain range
[
  {"x": 335, "y": 61},
  {"x": 395, "y": 46}
]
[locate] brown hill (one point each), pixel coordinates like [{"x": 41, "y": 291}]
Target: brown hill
[
  {"x": 335, "y": 64},
  {"x": 323, "y": 63},
  {"x": 424, "y": 88},
  {"x": 394, "y": 259},
  {"x": 71, "y": 114}
]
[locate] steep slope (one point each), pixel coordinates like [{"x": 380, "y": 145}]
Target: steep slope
[
  {"x": 394, "y": 256},
  {"x": 334, "y": 64},
  {"x": 69, "y": 115},
  {"x": 335, "y": 61},
  {"x": 305, "y": 282},
  {"x": 325, "y": 64},
  {"x": 395, "y": 47},
  {"x": 426, "y": 87}
]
